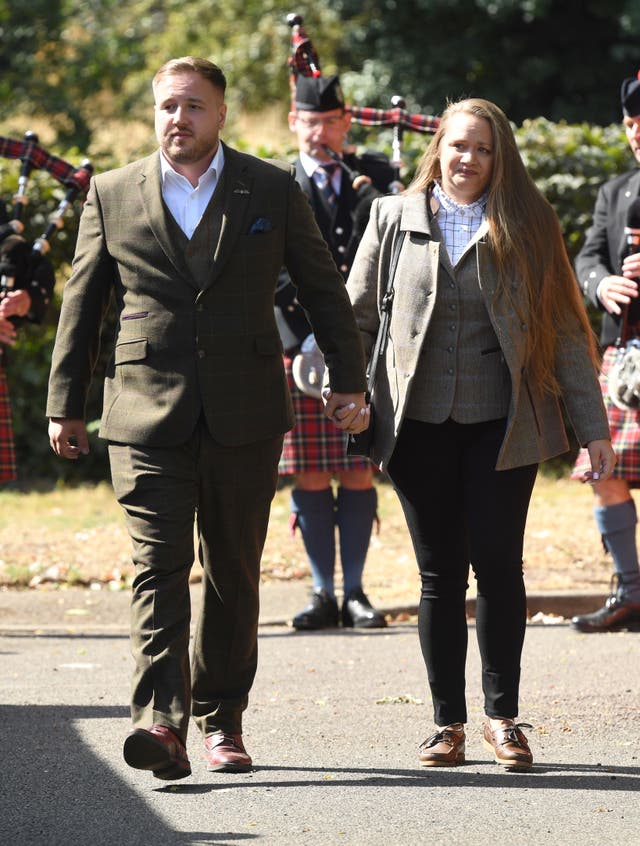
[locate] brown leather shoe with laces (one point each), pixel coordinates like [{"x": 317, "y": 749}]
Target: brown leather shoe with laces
[
  {"x": 509, "y": 745},
  {"x": 226, "y": 753},
  {"x": 445, "y": 748}
]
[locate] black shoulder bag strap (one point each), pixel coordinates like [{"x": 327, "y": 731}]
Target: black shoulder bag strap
[{"x": 385, "y": 322}]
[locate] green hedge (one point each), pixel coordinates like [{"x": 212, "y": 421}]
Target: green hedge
[{"x": 568, "y": 162}]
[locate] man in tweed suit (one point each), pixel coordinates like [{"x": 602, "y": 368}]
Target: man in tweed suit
[{"x": 189, "y": 242}]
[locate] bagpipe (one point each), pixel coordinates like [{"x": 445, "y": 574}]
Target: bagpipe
[
  {"x": 75, "y": 179},
  {"x": 303, "y": 61},
  {"x": 21, "y": 264}
]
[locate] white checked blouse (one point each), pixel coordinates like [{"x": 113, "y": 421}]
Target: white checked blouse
[{"x": 458, "y": 223}]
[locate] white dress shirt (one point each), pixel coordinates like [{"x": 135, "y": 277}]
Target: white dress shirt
[{"x": 186, "y": 203}]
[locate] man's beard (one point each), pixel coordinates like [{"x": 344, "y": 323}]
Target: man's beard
[{"x": 188, "y": 150}]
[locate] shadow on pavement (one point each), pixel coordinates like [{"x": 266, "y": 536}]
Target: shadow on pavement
[{"x": 56, "y": 792}]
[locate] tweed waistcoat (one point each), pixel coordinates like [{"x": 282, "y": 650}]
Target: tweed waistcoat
[
  {"x": 461, "y": 371},
  {"x": 200, "y": 249}
]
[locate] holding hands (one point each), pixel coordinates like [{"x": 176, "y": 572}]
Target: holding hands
[{"x": 349, "y": 412}]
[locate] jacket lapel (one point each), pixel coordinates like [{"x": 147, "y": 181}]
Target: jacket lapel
[
  {"x": 302, "y": 179},
  {"x": 415, "y": 217},
  {"x": 158, "y": 215},
  {"x": 416, "y": 220},
  {"x": 324, "y": 215},
  {"x": 417, "y": 298},
  {"x": 236, "y": 200},
  {"x": 625, "y": 198}
]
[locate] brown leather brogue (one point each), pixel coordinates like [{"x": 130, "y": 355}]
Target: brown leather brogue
[
  {"x": 509, "y": 745},
  {"x": 226, "y": 753},
  {"x": 158, "y": 749},
  {"x": 445, "y": 748}
]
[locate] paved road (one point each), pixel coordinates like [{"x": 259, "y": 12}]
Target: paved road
[
  {"x": 74, "y": 610},
  {"x": 334, "y": 725}
]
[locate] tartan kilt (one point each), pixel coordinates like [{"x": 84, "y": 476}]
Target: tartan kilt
[
  {"x": 315, "y": 443},
  {"x": 625, "y": 434},
  {"x": 7, "y": 453}
]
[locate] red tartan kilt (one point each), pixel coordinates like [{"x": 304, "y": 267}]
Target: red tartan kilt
[
  {"x": 625, "y": 434},
  {"x": 7, "y": 454},
  {"x": 315, "y": 443}
]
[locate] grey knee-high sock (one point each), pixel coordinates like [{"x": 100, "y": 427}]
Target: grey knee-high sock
[
  {"x": 617, "y": 525},
  {"x": 315, "y": 516},
  {"x": 356, "y": 511}
]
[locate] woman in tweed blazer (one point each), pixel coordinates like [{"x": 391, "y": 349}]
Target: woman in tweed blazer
[{"x": 488, "y": 336}]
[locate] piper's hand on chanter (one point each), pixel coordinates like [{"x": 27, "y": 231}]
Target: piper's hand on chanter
[
  {"x": 616, "y": 291},
  {"x": 15, "y": 303},
  {"x": 603, "y": 460},
  {"x": 631, "y": 266},
  {"x": 68, "y": 437},
  {"x": 349, "y": 412}
]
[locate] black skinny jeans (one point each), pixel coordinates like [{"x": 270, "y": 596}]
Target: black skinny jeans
[{"x": 462, "y": 511}]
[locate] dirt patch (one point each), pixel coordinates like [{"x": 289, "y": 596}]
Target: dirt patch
[{"x": 78, "y": 537}]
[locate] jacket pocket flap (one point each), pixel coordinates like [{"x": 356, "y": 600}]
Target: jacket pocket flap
[{"x": 135, "y": 350}]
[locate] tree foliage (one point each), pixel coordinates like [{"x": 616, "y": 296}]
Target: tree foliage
[
  {"x": 561, "y": 59},
  {"x": 83, "y": 62}
]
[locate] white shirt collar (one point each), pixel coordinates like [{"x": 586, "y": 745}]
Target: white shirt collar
[
  {"x": 216, "y": 165},
  {"x": 477, "y": 208},
  {"x": 309, "y": 165}
]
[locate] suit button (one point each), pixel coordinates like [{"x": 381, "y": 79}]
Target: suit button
[
  {"x": 199, "y": 307},
  {"x": 201, "y": 353}
]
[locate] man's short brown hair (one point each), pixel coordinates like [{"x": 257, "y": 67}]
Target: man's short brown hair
[{"x": 193, "y": 64}]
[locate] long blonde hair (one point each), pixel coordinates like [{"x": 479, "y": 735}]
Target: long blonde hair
[{"x": 526, "y": 241}]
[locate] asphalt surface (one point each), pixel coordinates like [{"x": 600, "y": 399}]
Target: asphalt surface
[
  {"x": 334, "y": 724},
  {"x": 68, "y": 610}
]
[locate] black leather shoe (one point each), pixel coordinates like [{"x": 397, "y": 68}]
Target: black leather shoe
[
  {"x": 320, "y": 613},
  {"x": 359, "y": 613},
  {"x": 616, "y": 614}
]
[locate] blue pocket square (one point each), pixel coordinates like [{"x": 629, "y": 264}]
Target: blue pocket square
[{"x": 260, "y": 224}]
